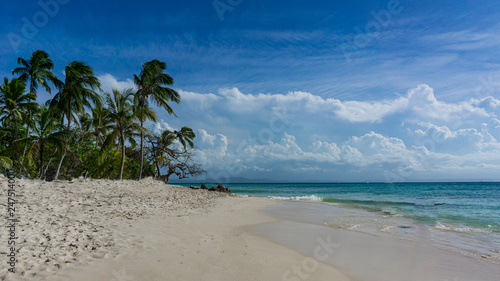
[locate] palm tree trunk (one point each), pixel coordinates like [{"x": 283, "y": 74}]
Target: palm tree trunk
[
  {"x": 142, "y": 153},
  {"x": 27, "y": 132},
  {"x": 59, "y": 166},
  {"x": 69, "y": 112},
  {"x": 41, "y": 158},
  {"x": 32, "y": 87},
  {"x": 46, "y": 168},
  {"x": 16, "y": 136},
  {"x": 142, "y": 142},
  {"x": 158, "y": 172},
  {"x": 122, "y": 140},
  {"x": 64, "y": 154}
]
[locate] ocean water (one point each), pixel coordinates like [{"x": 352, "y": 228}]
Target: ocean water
[{"x": 463, "y": 216}]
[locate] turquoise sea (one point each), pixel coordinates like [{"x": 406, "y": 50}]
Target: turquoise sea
[
  {"x": 473, "y": 206},
  {"x": 458, "y": 213}
]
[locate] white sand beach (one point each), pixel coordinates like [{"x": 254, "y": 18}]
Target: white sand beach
[
  {"x": 128, "y": 230},
  {"x": 146, "y": 230}
]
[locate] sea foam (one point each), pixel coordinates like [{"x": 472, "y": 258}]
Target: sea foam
[{"x": 311, "y": 198}]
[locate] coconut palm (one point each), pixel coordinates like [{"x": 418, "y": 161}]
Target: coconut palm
[
  {"x": 161, "y": 150},
  {"x": 152, "y": 85},
  {"x": 14, "y": 103},
  {"x": 96, "y": 123},
  {"x": 123, "y": 119},
  {"x": 36, "y": 71},
  {"x": 47, "y": 130},
  {"x": 77, "y": 93},
  {"x": 144, "y": 113},
  {"x": 185, "y": 136}
]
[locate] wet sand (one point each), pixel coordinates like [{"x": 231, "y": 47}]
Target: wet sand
[{"x": 369, "y": 252}]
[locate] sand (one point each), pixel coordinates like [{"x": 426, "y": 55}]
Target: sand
[
  {"x": 372, "y": 253},
  {"x": 129, "y": 230},
  {"x": 147, "y": 230}
]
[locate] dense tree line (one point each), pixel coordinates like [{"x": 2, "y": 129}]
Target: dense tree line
[{"x": 82, "y": 131}]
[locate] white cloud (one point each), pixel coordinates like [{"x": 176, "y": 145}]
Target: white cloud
[
  {"x": 459, "y": 141},
  {"x": 388, "y": 157},
  {"x": 198, "y": 101},
  {"x": 109, "y": 82},
  {"x": 419, "y": 103},
  {"x": 161, "y": 126},
  {"x": 423, "y": 102},
  {"x": 409, "y": 136},
  {"x": 212, "y": 150},
  {"x": 465, "y": 40}
]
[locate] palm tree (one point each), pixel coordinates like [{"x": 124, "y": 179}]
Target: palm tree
[
  {"x": 14, "y": 102},
  {"x": 77, "y": 93},
  {"x": 97, "y": 123},
  {"x": 46, "y": 130},
  {"x": 37, "y": 72},
  {"x": 151, "y": 84},
  {"x": 123, "y": 118},
  {"x": 185, "y": 136},
  {"x": 5, "y": 161}
]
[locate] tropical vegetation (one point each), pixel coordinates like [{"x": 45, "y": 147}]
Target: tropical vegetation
[{"x": 82, "y": 131}]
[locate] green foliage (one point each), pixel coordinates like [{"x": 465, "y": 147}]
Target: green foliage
[{"x": 75, "y": 134}]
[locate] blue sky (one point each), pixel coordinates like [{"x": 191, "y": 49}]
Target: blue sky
[{"x": 297, "y": 90}]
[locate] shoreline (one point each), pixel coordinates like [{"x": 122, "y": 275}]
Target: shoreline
[
  {"x": 356, "y": 219},
  {"x": 129, "y": 230},
  {"x": 368, "y": 253},
  {"x": 146, "y": 230}
]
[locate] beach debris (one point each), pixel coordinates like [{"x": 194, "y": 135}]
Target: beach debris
[{"x": 220, "y": 188}]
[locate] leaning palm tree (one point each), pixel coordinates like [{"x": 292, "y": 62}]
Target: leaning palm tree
[
  {"x": 14, "y": 102},
  {"x": 77, "y": 93},
  {"x": 152, "y": 85},
  {"x": 36, "y": 71},
  {"x": 47, "y": 130},
  {"x": 123, "y": 118},
  {"x": 185, "y": 136},
  {"x": 161, "y": 145},
  {"x": 96, "y": 123}
]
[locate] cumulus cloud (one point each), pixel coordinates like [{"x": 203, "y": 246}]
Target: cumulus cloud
[
  {"x": 459, "y": 141},
  {"x": 161, "y": 126},
  {"x": 198, "y": 101},
  {"x": 418, "y": 103},
  {"x": 402, "y": 138},
  {"x": 212, "y": 151},
  {"x": 109, "y": 82},
  {"x": 422, "y": 101},
  {"x": 388, "y": 157}
]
